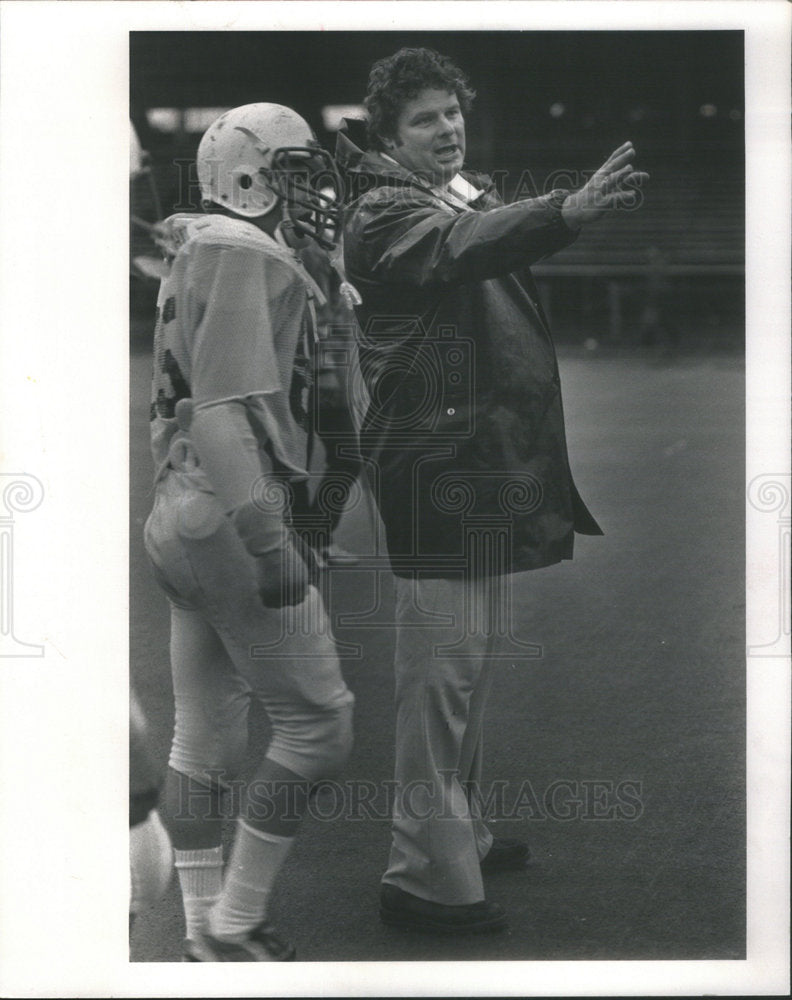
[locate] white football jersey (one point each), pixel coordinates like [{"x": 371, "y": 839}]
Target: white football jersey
[{"x": 235, "y": 321}]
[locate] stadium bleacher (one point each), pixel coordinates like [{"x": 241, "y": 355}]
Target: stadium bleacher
[
  {"x": 678, "y": 96},
  {"x": 689, "y": 228}
]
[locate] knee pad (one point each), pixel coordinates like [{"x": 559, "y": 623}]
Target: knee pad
[
  {"x": 314, "y": 744},
  {"x": 210, "y": 755},
  {"x": 150, "y": 862},
  {"x": 335, "y": 732}
]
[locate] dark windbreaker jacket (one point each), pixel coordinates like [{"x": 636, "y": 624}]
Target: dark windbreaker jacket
[{"x": 463, "y": 440}]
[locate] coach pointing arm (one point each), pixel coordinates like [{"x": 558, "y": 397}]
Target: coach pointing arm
[{"x": 407, "y": 237}]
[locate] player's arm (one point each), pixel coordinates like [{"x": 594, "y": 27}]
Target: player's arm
[
  {"x": 234, "y": 361},
  {"x": 252, "y": 496}
]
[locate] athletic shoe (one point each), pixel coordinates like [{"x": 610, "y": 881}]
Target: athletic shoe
[
  {"x": 505, "y": 854},
  {"x": 401, "y": 909},
  {"x": 260, "y": 945}
]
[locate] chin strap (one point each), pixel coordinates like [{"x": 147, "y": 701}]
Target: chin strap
[
  {"x": 349, "y": 293},
  {"x": 289, "y": 235},
  {"x": 292, "y": 235}
]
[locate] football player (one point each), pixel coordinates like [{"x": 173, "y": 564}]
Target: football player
[{"x": 230, "y": 437}]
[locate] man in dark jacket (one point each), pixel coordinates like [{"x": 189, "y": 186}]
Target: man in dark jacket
[{"x": 464, "y": 446}]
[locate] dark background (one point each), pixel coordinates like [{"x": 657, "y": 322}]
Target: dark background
[
  {"x": 648, "y": 86},
  {"x": 602, "y": 78}
]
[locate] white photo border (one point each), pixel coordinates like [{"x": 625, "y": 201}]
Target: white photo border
[{"x": 64, "y": 383}]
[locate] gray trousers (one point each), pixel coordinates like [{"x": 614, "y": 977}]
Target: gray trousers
[{"x": 444, "y": 672}]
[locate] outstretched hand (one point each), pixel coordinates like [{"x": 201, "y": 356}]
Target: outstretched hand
[{"x": 614, "y": 185}]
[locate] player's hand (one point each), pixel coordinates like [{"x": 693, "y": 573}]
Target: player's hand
[
  {"x": 283, "y": 577},
  {"x": 183, "y": 412},
  {"x": 614, "y": 185}
]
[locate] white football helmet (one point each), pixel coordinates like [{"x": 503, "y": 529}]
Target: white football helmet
[{"x": 256, "y": 155}]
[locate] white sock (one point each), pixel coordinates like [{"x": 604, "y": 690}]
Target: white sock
[
  {"x": 201, "y": 879},
  {"x": 255, "y": 860}
]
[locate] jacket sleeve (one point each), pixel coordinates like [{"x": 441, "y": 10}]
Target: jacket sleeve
[{"x": 403, "y": 237}]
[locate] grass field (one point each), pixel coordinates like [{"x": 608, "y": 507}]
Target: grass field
[{"x": 640, "y": 691}]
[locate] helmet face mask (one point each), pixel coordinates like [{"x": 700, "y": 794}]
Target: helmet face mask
[
  {"x": 261, "y": 155},
  {"x": 306, "y": 179}
]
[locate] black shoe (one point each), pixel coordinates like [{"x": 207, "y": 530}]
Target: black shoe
[
  {"x": 505, "y": 854},
  {"x": 401, "y": 909}
]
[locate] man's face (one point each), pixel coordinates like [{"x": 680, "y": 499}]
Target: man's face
[{"x": 430, "y": 136}]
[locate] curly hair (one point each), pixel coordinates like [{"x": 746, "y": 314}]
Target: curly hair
[{"x": 399, "y": 78}]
